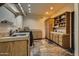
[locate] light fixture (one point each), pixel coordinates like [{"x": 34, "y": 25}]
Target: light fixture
[
  {"x": 51, "y": 8},
  {"x": 29, "y": 8},
  {"x": 29, "y": 5},
  {"x": 46, "y": 13},
  {"x": 29, "y": 11}
]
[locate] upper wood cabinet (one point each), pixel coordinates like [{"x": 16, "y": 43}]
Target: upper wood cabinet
[{"x": 62, "y": 23}]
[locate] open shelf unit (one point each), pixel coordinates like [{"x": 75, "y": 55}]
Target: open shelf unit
[{"x": 62, "y": 22}]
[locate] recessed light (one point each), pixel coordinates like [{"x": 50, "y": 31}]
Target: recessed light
[
  {"x": 29, "y": 11},
  {"x": 29, "y": 5},
  {"x": 46, "y": 13},
  {"x": 51, "y": 8},
  {"x": 29, "y": 8}
]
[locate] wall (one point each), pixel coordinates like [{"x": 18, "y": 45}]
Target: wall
[
  {"x": 5, "y": 14},
  {"x": 35, "y": 23},
  {"x": 19, "y": 21},
  {"x": 76, "y": 29},
  {"x": 31, "y": 22}
]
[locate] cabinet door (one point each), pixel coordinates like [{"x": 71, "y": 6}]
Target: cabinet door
[
  {"x": 54, "y": 37},
  {"x": 4, "y": 49},
  {"x": 60, "y": 39},
  {"x": 20, "y": 48},
  {"x": 51, "y": 37},
  {"x": 57, "y": 38}
]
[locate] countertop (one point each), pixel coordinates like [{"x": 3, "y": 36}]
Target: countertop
[
  {"x": 15, "y": 38},
  {"x": 58, "y": 33}
]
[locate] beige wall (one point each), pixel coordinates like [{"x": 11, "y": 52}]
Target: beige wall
[{"x": 34, "y": 23}]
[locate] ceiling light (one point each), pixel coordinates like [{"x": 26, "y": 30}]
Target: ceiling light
[
  {"x": 29, "y": 5},
  {"x": 29, "y": 11},
  {"x": 29, "y": 8},
  {"x": 51, "y": 8},
  {"x": 46, "y": 13}
]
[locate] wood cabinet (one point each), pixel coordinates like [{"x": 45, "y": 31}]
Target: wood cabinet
[
  {"x": 62, "y": 23},
  {"x": 19, "y": 48},
  {"x": 59, "y": 24},
  {"x": 64, "y": 41},
  {"x": 49, "y": 23},
  {"x": 14, "y": 48},
  {"x": 61, "y": 39},
  {"x": 37, "y": 34},
  {"x": 5, "y": 49}
]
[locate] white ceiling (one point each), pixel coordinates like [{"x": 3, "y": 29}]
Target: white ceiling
[{"x": 39, "y": 9}]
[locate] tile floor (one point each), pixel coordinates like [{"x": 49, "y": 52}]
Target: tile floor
[{"x": 46, "y": 48}]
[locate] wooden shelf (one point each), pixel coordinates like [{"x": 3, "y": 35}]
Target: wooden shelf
[{"x": 62, "y": 20}]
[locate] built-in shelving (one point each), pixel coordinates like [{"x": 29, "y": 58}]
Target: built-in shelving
[
  {"x": 62, "y": 22},
  {"x": 61, "y": 30}
]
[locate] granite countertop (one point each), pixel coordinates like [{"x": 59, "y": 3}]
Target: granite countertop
[{"x": 15, "y": 38}]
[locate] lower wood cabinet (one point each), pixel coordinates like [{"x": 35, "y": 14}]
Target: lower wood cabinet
[
  {"x": 62, "y": 40},
  {"x": 5, "y": 49},
  {"x": 19, "y": 48},
  {"x": 37, "y": 34},
  {"x": 14, "y": 48}
]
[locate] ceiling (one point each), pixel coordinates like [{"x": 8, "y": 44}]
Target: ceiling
[{"x": 39, "y": 9}]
